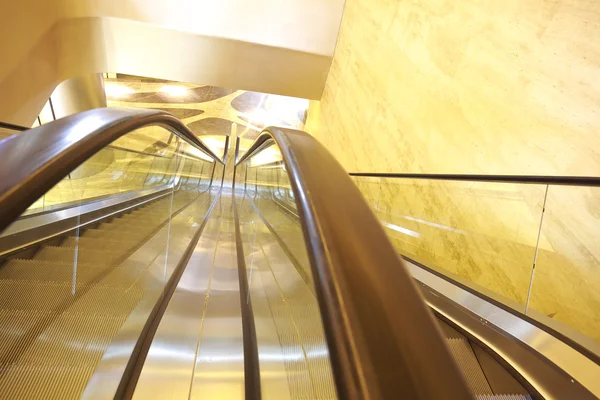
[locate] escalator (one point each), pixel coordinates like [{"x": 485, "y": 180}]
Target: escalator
[
  {"x": 58, "y": 320},
  {"x": 135, "y": 264},
  {"x": 485, "y": 377}
]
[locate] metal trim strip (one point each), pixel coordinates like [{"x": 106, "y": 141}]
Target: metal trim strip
[{"x": 554, "y": 351}]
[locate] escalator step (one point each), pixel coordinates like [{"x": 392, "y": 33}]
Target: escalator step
[
  {"x": 504, "y": 397},
  {"x": 48, "y": 296},
  {"x": 124, "y": 226},
  {"x": 116, "y": 234},
  {"x": 69, "y": 338},
  {"x": 50, "y": 271},
  {"x": 67, "y": 254},
  {"x": 52, "y": 382},
  {"x": 99, "y": 244},
  {"x": 124, "y": 275},
  {"x": 467, "y": 362}
]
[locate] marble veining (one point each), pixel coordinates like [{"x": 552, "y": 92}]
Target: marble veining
[{"x": 504, "y": 87}]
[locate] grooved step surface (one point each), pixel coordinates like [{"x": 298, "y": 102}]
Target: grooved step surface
[
  {"x": 117, "y": 234},
  {"x": 46, "y": 296},
  {"x": 60, "y": 310},
  {"x": 67, "y": 254},
  {"x": 467, "y": 362},
  {"x": 504, "y": 397},
  {"x": 98, "y": 244},
  {"x": 50, "y": 271},
  {"x": 53, "y": 382}
]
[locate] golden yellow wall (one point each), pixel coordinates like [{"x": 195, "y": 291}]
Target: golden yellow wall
[
  {"x": 491, "y": 87},
  {"x": 418, "y": 84}
]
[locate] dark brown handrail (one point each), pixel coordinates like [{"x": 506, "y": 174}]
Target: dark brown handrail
[
  {"x": 524, "y": 179},
  {"x": 13, "y": 127},
  {"x": 19, "y": 128},
  {"x": 382, "y": 338},
  {"x": 37, "y": 159}
]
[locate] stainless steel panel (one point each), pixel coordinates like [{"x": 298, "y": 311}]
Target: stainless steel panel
[
  {"x": 293, "y": 309},
  {"x": 169, "y": 366},
  {"x": 198, "y": 347},
  {"x": 565, "y": 357},
  {"x": 273, "y": 374},
  {"x": 219, "y": 369},
  {"x": 37, "y": 221},
  {"x": 109, "y": 370}
]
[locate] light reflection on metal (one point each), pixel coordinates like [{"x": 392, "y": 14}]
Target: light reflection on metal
[{"x": 565, "y": 357}]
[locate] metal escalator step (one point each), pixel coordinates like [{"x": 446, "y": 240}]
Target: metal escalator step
[
  {"x": 51, "y": 271},
  {"x": 118, "y": 226},
  {"x": 49, "y": 296},
  {"x": 101, "y": 299},
  {"x": 99, "y": 244},
  {"x": 62, "y": 253},
  {"x": 140, "y": 222},
  {"x": 73, "y": 339},
  {"x": 126, "y": 274},
  {"x": 147, "y": 215},
  {"x": 116, "y": 234},
  {"x": 504, "y": 397},
  {"x": 467, "y": 363},
  {"x": 48, "y": 382},
  {"x": 136, "y": 222}
]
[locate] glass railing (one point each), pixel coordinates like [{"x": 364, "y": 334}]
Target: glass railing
[
  {"x": 141, "y": 160},
  {"x": 73, "y": 280},
  {"x": 292, "y": 349},
  {"x": 531, "y": 246}
]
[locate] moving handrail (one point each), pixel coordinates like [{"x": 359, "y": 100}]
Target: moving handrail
[
  {"x": 13, "y": 127},
  {"x": 525, "y": 179},
  {"x": 382, "y": 339},
  {"x": 36, "y": 160}
]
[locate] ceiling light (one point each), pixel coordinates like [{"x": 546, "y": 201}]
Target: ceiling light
[
  {"x": 175, "y": 91},
  {"x": 115, "y": 90}
]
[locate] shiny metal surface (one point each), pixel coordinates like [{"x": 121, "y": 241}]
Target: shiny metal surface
[
  {"x": 584, "y": 370},
  {"x": 36, "y": 160},
  {"x": 109, "y": 372},
  {"x": 219, "y": 367},
  {"x": 273, "y": 375},
  {"x": 169, "y": 366},
  {"x": 197, "y": 351},
  {"x": 61, "y": 308},
  {"x": 290, "y": 334},
  {"x": 361, "y": 283},
  {"x": 78, "y": 94},
  {"x": 41, "y": 220}
]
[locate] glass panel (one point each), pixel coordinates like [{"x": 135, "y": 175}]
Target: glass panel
[
  {"x": 136, "y": 161},
  {"x": 567, "y": 273},
  {"x": 481, "y": 234},
  {"x": 293, "y": 353},
  {"x": 63, "y": 300}
]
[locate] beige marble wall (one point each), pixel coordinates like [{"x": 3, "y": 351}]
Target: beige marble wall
[
  {"x": 490, "y": 87},
  {"x": 513, "y": 84}
]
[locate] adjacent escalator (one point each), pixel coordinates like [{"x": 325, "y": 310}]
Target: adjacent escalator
[{"x": 94, "y": 252}]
